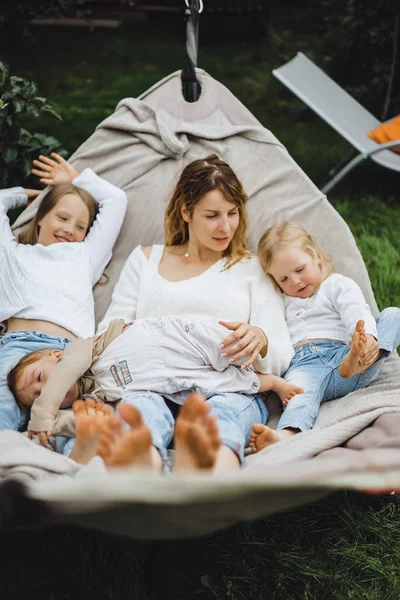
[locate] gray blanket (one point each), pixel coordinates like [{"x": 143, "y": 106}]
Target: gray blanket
[{"x": 355, "y": 443}]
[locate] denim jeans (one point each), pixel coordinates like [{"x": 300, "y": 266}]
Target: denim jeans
[
  {"x": 315, "y": 369},
  {"x": 235, "y": 413},
  {"x": 13, "y": 346}
]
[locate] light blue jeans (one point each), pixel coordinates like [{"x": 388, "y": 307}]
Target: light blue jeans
[
  {"x": 236, "y": 413},
  {"x": 14, "y": 346},
  {"x": 315, "y": 369}
]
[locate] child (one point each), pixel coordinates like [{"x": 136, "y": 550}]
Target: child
[
  {"x": 47, "y": 275},
  {"x": 170, "y": 356},
  {"x": 323, "y": 311}
]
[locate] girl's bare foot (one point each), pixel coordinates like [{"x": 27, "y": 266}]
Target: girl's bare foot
[
  {"x": 263, "y": 436},
  {"x": 350, "y": 365},
  {"x": 196, "y": 436},
  {"x": 119, "y": 447},
  {"x": 89, "y": 416},
  {"x": 286, "y": 391}
]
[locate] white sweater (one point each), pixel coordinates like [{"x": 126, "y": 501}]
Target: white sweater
[
  {"x": 241, "y": 293},
  {"x": 331, "y": 313},
  {"x": 54, "y": 283}
]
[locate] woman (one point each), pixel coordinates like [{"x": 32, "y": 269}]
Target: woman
[
  {"x": 205, "y": 270},
  {"x": 47, "y": 275}
]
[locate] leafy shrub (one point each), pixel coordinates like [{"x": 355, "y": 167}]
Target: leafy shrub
[{"x": 18, "y": 147}]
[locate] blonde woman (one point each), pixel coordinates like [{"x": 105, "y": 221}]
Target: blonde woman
[
  {"x": 47, "y": 275},
  {"x": 204, "y": 270},
  {"x": 323, "y": 311}
]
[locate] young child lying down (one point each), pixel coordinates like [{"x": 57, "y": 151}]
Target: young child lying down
[{"x": 170, "y": 356}]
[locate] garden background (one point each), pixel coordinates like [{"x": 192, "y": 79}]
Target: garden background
[{"x": 346, "y": 546}]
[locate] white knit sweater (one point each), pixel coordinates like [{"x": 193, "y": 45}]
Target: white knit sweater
[
  {"x": 241, "y": 293},
  {"x": 54, "y": 283}
]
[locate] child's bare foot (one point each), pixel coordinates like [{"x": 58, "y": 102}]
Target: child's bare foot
[
  {"x": 196, "y": 436},
  {"x": 263, "y": 436},
  {"x": 119, "y": 447},
  {"x": 89, "y": 416},
  {"x": 350, "y": 365},
  {"x": 286, "y": 391}
]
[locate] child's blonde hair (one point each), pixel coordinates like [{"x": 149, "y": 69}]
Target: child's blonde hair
[
  {"x": 280, "y": 236},
  {"x": 16, "y": 372}
]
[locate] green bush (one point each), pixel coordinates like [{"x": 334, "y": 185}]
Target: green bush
[{"x": 18, "y": 147}]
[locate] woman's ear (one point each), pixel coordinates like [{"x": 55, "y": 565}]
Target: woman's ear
[{"x": 185, "y": 213}]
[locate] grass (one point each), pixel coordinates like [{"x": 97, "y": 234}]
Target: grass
[{"x": 344, "y": 547}]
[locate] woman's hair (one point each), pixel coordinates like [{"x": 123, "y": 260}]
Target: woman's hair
[
  {"x": 30, "y": 235},
  {"x": 198, "y": 178},
  {"x": 16, "y": 372},
  {"x": 280, "y": 236}
]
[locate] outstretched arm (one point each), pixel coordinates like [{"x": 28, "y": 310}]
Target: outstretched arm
[{"x": 75, "y": 361}]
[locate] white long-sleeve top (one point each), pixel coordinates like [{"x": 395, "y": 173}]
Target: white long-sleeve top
[
  {"x": 54, "y": 283},
  {"x": 241, "y": 293},
  {"x": 331, "y": 313}
]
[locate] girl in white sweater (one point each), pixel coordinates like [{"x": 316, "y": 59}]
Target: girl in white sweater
[
  {"x": 205, "y": 270},
  {"x": 47, "y": 275},
  {"x": 323, "y": 311}
]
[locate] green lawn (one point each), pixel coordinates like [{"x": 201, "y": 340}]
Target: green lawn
[{"x": 345, "y": 547}]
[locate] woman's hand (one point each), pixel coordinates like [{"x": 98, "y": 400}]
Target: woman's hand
[
  {"x": 41, "y": 435},
  {"x": 250, "y": 341},
  {"x": 55, "y": 171},
  {"x": 370, "y": 354},
  {"x": 31, "y": 194}
]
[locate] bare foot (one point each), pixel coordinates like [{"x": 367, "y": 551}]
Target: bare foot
[
  {"x": 196, "y": 436},
  {"x": 119, "y": 447},
  {"x": 89, "y": 416},
  {"x": 286, "y": 391},
  {"x": 350, "y": 365},
  {"x": 263, "y": 436}
]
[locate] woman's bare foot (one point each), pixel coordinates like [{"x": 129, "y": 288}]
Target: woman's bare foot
[
  {"x": 263, "y": 436},
  {"x": 350, "y": 365},
  {"x": 196, "y": 436},
  {"x": 119, "y": 447},
  {"x": 89, "y": 416}
]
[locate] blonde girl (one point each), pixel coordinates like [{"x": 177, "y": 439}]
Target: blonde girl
[
  {"x": 47, "y": 275},
  {"x": 323, "y": 311}
]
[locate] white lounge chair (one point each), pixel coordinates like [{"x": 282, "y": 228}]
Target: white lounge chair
[{"x": 341, "y": 111}]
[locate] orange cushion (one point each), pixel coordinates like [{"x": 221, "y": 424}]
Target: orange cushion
[{"x": 388, "y": 131}]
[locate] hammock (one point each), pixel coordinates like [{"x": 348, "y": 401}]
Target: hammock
[{"x": 355, "y": 443}]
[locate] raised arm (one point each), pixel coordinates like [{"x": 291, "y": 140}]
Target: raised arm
[
  {"x": 104, "y": 232},
  {"x": 126, "y": 291},
  {"x": 9, "y": 199},
  {"x": 112, "y": 206},
  {"x": 75, "y": 361}
]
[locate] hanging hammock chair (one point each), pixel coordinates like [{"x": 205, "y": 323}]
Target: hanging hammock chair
[{"x": 355, "y": 444}]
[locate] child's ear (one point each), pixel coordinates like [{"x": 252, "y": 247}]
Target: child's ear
[{"x": 56, "y": 354}]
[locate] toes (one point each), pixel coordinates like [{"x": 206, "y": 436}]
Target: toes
[
  {"x": 130, "y": 415},
  {"x": 78, "y": 407},
  {"x": 194, "y": 407}
]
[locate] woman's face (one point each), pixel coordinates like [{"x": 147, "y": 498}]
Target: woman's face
[
  {"x": 68, "y": 221},
  {"x": 213, "y": 222}
]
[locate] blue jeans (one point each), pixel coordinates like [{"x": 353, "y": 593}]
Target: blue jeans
[
  {"x": 13, "y": 346},
  {"x": 315, "y": 369},
  {"x": 236, "y": 413}
]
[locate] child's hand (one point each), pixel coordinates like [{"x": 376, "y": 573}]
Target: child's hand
[
  {"x": 370, "y": 353},
  {"x": 53, "y": 172},
  {"x": 31, "y": 194},
  {"x": 41, "y": 435}
]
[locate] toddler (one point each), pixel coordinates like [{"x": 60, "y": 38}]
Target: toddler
[{"x": 323, "y": 311}]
